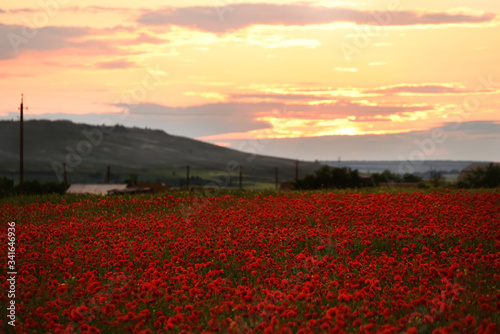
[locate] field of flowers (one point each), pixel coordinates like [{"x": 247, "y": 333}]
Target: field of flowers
[{"x": 271, "y": 263}]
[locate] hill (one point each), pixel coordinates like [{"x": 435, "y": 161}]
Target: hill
[{"x": 151, "y": 155}]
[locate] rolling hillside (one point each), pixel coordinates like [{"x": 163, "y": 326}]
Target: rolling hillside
[{"x": 151, "y": 155}]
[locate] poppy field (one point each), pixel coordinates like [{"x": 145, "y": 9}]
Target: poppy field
[{"x": 264, "y": 263}]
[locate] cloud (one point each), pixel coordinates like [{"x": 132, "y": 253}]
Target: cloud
[
  {"x": 370, "y": 119},
  {"x": 290, "y": 97},
  {"x": 115, "y": 64},
  {"x": 15, "y": 75},
  {"x": 100, "y": 9},
  {"x": 346, "y": 69},
  {"x": 420, "y": 89},
  {"x": 115, "y": 38},
  {"x": 14, "y": 39},
  {"x": 239, "y": 117},
  {"x": 144, "y": 38},
  {"x": 345, "y": 108},
  {"x": 203, "y": 120},
  {"x": 233, "y": 17},
  {"x": 211, "y": 109},
  {"x": 72, "y": 9},
  {"x": 474, "y": 128},
  {"x": 23, "y": 10}
]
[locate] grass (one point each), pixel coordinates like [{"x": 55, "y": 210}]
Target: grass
[{"x": 261, "y": 188}]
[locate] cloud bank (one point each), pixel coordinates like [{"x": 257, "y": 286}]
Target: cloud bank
[
  {"x": 14, "y": 39},
  {"x": 233, "y": 17}
]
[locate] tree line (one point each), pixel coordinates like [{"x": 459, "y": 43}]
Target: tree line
[
  {"x": 482, "y": 177},
  {"x": 342, "y": 178},
  {"x": 324, "y": 178}
]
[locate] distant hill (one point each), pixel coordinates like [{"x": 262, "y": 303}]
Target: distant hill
[{"x": 151, "y": 155}]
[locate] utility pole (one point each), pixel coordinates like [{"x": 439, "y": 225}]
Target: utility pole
[
  {"x": 21, "y": 149},
  {"x": 108, "y": 175}
]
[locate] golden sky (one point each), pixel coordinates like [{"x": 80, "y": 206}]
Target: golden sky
[{"x": 225, "y": 71}]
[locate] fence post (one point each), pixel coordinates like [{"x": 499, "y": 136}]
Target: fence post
[{"x": 108, "y": 175}]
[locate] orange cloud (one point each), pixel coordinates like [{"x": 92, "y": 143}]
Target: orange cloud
[
  {"x": 119, "y": 64},
  {"x": 419, "y": 89}
]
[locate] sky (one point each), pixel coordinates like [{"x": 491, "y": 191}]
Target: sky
[{"x": 362, "y": 80}]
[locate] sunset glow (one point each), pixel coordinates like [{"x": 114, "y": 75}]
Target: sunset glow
[{"x": 226, "y": 70}]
